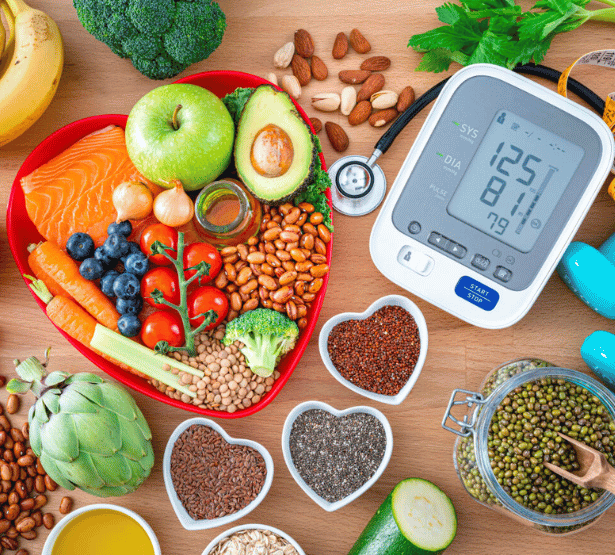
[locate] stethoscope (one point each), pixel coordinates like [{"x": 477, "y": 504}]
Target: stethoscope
[{"x": 359, "y": 184}]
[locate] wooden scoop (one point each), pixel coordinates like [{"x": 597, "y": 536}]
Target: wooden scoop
[{"x": 595, "y": 471}]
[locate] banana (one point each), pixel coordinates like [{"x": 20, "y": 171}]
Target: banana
[
  {"x": 9, "y": 47},
  {"x": 2, "y": 38},
  {"x": 31, "y": 78}
]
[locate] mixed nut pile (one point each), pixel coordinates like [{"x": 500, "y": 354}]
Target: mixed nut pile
[{"x": 371, "y": 102}]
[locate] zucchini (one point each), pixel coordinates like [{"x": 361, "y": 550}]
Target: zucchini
[{"x": 417, "y": 518}]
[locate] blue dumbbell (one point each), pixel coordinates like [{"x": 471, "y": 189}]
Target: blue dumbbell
[{"x": 590, "y": 274}]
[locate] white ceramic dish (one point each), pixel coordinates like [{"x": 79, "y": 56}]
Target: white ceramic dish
[
  {"x": 308, "y": 405},
  {"x": 244, "y": 527},
  {"x": 186, "y": 520},
  {"x": 53, "y": 535},
  {"x": 396, "y": 300}
]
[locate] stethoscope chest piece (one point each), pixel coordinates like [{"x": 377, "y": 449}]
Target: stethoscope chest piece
[{"x": 358, "y": 186}]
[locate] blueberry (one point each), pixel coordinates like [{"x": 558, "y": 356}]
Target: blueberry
[
  {"x": 129, "y": 306},
  {"x": 80, "y": 246},
  {"x": 129, "y": 325},
  {"x": 116, "y": 246},
  {"x": 132, "y": 249},
  {"x": 126, "y": 286},
  {"x": 123, "y": 228},
  {"x": 106, "y": 282},
  {"x": 107, "y": 261},
  {"x": 91, "y": 269},
  {"x": 137, "y": 264}
]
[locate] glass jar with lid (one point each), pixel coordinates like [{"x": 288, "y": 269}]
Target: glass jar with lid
[{"x": 511, "y": 427}]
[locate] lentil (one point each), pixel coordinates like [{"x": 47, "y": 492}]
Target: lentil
[
  {"x": 221, "y": 364},
  {"x": 377, "y": 354},
  {"x": 212, "y": 477},
  {"x": 336, "y": 456}
]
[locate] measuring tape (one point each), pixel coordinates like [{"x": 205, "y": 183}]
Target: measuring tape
[{"x": 602, "y": 58}]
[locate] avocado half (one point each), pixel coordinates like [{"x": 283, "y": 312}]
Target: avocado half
[{"x": 275, "y": 151}]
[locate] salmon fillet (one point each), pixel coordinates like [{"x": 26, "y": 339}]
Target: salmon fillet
[{"x": 73, "y": 191}]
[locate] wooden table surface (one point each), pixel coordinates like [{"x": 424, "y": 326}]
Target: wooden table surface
[{"x": 97, "y": 82}]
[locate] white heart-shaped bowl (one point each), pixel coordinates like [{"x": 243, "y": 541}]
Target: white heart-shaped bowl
[
  {"x": 309, "y": 405},
  {"x": 244, "y": 527},
  {"x": 396, "y": 300},
  {"x": 186, "y": 520}
]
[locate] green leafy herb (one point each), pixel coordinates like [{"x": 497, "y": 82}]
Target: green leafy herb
[
  {"x": 500, "y": 32},
  {"x": 314, "y": 193}
]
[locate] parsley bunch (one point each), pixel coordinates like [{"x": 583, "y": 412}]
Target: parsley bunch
[{"x": 499, "y": 32}]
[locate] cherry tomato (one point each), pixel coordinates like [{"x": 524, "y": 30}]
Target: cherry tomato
[
  {"x": 203, "y": 299},
  {"x": 163, "y": 326},
  {"x": 165, "y": 280},
  {"x": 202, "y": 252},
  {"x": 163, "y": 233}
]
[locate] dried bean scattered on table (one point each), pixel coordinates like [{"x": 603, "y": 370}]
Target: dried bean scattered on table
[
  {"x": 377, "y": 354},
  {"x": 213, "y": 478},
  {"x": 336, "y": 456}
]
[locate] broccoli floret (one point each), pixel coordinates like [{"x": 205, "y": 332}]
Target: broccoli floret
[
  {"x": 160, "y": 37},
  {"x": 267, "y": 335}
]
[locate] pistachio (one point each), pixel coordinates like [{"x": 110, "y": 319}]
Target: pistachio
[
  {"x": 326, "y": 102},
  {"x": 284, "y": 55},
  {"x": 348, "y": 100},
  {"x": 384, "y": 99}
]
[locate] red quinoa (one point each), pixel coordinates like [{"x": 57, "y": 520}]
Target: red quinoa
[{"x": 377, "y": 354}]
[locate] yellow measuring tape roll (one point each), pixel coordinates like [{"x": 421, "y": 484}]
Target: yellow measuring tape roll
[{"x": 602, "y": 58}]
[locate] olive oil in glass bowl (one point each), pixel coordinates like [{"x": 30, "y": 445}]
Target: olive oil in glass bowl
[{"x": 511, "y": 426}]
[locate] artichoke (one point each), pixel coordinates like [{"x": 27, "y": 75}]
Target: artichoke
[{"x": 87, "y": 432}]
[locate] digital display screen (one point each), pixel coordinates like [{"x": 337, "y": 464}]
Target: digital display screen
[{"x": 515, "y": 180}]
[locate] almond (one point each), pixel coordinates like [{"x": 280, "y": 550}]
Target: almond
[
  {"x": 353, "y": 76},
  {"x": 319, "y": 69},
  {"x": 360, "y": 113},
  {"x": 291, "y": 85},
  {"x": 406, "y": 97},
  {"x": 348, "y": 100},
  {"x": 337, "y": 136},
  {"x": 376, "y": 63},
  {"x": 340, "y": 46},
  {"x": 326, "y": 102},
  {"x": 372, "y": 84},
  {"x": 378, "y": 119},
  {"x": 272, "y": 78},
  {"x": 301, "y": 70},
  {"x": 316, "y": 124},
  {"x": 383, "y": 99},
  {"x": 359, "y": 42},
  {"x": 304, "y": 44},
  {"x": 283, "y": 57}
]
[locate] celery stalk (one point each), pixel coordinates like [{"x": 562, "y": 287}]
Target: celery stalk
[{"x": 141, "y": 358}]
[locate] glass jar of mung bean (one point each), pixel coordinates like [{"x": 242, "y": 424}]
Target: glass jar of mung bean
[{"x": 511, "y": 427}]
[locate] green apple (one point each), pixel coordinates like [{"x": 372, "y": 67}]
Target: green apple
[{"x": 180, "y": 131}]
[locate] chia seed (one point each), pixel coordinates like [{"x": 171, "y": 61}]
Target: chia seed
[{"x": 336, "y": 456}]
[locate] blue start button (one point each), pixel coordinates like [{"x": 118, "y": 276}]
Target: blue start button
[{"x": 477, "y": 293}]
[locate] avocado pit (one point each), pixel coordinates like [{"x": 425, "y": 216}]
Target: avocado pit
[{"x": 272, "y": 151}]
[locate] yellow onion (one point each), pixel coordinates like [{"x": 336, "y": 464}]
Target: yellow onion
[
  {"x": 174, "y": 207},
  {"x": 132, "y": 200}
]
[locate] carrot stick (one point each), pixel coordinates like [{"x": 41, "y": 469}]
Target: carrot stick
[
  {"x": 54, "y": 287},
  {"x": 63, "y": 270},
  {"x": 73, "y": 320}
]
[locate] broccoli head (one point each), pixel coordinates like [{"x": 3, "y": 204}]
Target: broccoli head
[
  {"x": 160, "y": 37},
  {"x": 266, "y": 335}
]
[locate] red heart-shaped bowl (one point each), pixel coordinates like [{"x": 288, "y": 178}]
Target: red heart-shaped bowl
[{"x": 22, "y": 232}]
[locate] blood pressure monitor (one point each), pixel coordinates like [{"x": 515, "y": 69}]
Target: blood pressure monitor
[{"x": 490, "y": 195}]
